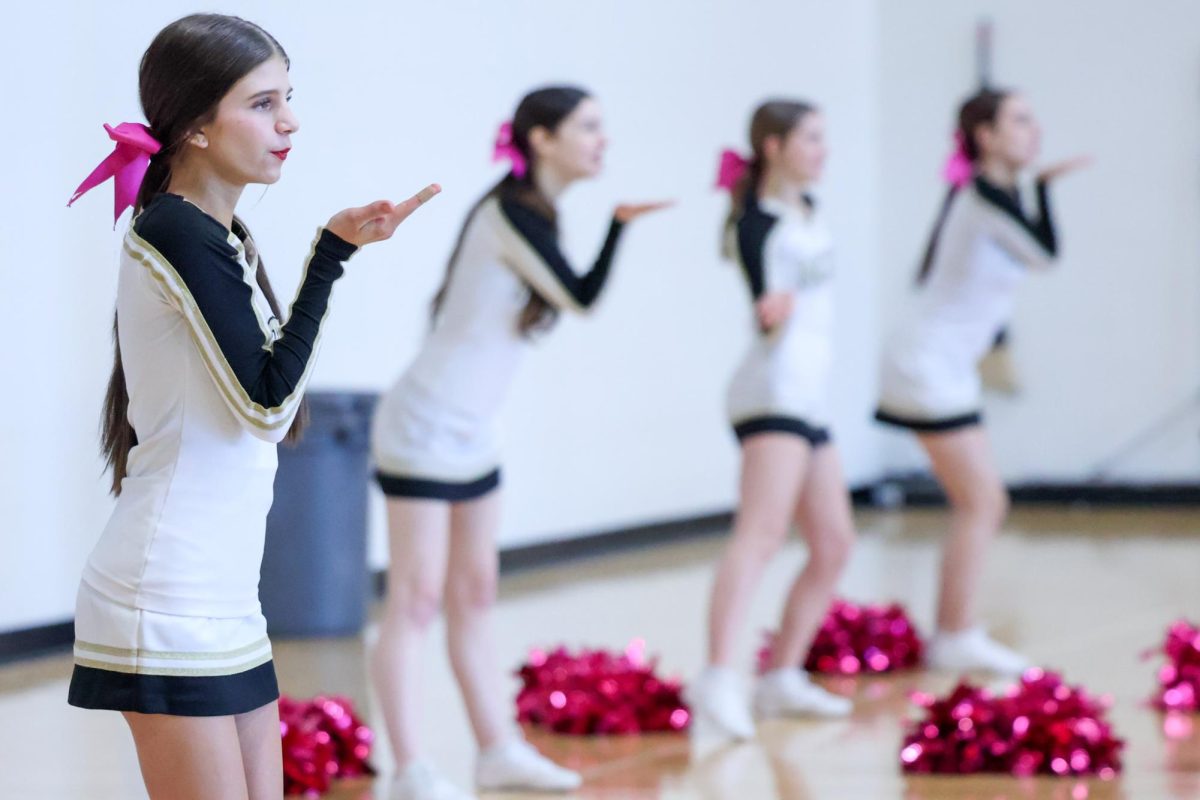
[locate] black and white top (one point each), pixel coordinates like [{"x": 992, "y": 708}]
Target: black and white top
[
  {"x": 985, "y": 248},
  {"x": 782, "y": 381},
  {"x": 214, "y": 382},
  {"x": 436, "y": 428}
]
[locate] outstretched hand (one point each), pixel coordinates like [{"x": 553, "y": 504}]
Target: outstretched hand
[
  {"x": 628, "y": 212},
  {"x": 379, "y": 220},
  {"x": 1060, "y": 168}
]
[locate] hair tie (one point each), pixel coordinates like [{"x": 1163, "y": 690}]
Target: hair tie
[
  {"x": 506, "y": 150},
  {"x": 731, "y": 169},
  {"x": 126, "y": 165},
  {"x": 958, "y": 168}
]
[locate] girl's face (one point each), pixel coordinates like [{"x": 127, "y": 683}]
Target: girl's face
[
  {"x": 1014, "y": 138},
  {"x": 800, "y": 155},
  {"x": 250, "y": 134},
  {"x": 576, "y": 148}
]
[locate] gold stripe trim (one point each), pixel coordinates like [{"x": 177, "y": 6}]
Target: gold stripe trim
[
  {"x": 540, "y": 272},
  {"x": 223, "y": 373},
  {"x": 249, "y": 278},
  {"x": 103, "y": 649},
  {"x": 174, "y": 672},
  {"x": 180, "y": 291},
  {"x": 287, "y": 407}
]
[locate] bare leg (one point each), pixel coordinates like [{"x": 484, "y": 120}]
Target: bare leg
[
  {"x": 773, "y": 469},
  {"x": 189, "y": 758},
  {"x": 827, "y": 524},
  {"x": 470, "y": 596},
  {"x": 962, "y": 461},
  {"x": 262, "y": 752},
  {"x": 418, "y": 533}
]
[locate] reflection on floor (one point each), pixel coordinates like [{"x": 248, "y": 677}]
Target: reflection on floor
[{"x": 1081, "y": 591}]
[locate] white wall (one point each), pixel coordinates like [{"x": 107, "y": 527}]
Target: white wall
[
  {"x": 1110, "y": 342},
  {"x": 617, "y": 419},
  {"x": 59, "y": 277}
]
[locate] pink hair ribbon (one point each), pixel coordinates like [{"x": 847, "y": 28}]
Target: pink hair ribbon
[
  {"x": 506, "y": 150},
  {"x": 126, "y": 165},
  {"x": 958, "y": 169},
  {"x": 732, "y": 167}
]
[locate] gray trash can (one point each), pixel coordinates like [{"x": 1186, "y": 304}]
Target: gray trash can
[{"x": 314, "y": 571}]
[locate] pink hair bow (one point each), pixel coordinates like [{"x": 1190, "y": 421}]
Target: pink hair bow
[
  {"x": 958, "y": 169},
  {"x": 733, "y": 166},
  {"x": 126, "y": 165},
  {"x": 506, "y": 150}
]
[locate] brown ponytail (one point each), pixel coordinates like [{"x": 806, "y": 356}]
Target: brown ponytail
[
  {"x": 773, "y": 118},
  {"x": 544, "y": 108},
  {"x": 981, "y": 108}
]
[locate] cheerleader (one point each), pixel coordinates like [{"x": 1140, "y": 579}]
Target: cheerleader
[
  {"x": 207, "y": 379},
  {"x": 435, "y": 437},
  {"x": 779, "y": 410},
  {"x": 983, "y": 244}
]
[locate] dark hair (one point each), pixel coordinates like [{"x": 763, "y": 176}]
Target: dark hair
[
  {"x": 981, "y": 108},
  {"x": 773, "y": 118},
  {"x": 191, "y": 64},
  {"x": 542, "y": 108}
]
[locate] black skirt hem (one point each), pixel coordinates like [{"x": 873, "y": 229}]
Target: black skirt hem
[
  {"x": 428, "y": 489},
  {"x": 815, "y": 435},
  {"x": 181, "y": 696},
  {"x": 934, "y": 425}
]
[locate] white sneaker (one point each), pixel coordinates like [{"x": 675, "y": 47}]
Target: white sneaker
[
  {"x": 717, "y": 699},
  {"x": 790, "y": 693},
  {"x": 973, "y": 649},
  {"x": 516, "y": 766},
  {"x": 419, "y": 781}
]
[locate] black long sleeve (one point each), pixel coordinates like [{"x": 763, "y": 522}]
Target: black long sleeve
[
  {"x": 543, "y": 265},
  {"x": 261, "y": 364}
]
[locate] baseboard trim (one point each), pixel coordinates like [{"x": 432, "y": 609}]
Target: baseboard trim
[
  {"x": 561, "y": 551},
  {"x": 915, "y": 491},
  {"x": 904, "y": 491},
  {"x": 545, "y": 554},
  {"x": 1166, "y": 494}
]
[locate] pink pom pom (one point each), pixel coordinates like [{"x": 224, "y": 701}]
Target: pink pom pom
[
  {"x": 856, "y": 640},
  {"x": 323, "y": 741},
  {"x": 596, "y": 692},
  {"x": 1042, "y": 727},
  {"x": 1179, "y": 678}
]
